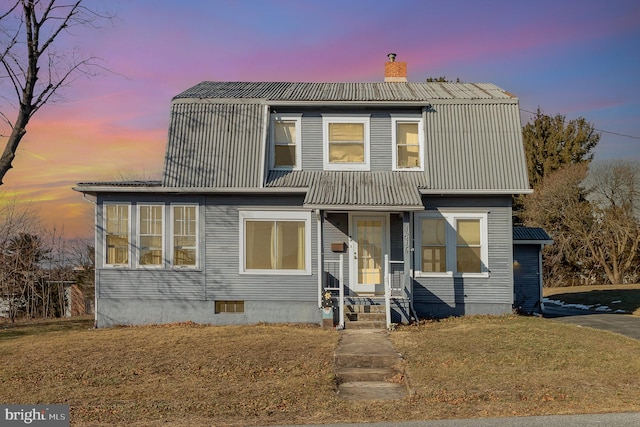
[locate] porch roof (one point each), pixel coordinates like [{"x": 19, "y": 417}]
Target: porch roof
[{"x": 378, "y": 190}]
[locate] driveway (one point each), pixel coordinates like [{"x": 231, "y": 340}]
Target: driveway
[{"x": 624, "y": 324}]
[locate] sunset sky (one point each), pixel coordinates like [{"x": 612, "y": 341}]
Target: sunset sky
[{"x": 574, "y": 57}]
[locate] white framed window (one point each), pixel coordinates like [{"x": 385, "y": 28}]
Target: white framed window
[
  {"x": 184, "y": 232},
  {"x": 275, "y": 242},
  {"x": 408, "y": 143},
  {"x": 286, "y": 135},
  {"x": 150, "y": 235},
  {"x": 346, "y": 142},
  {"x": 117, "y": 229},
  {"x": 451, "y": 244}
]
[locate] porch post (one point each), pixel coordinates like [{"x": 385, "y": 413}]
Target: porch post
[
  {"x": 407, "y": 246},
  {"x": 320, "y": 256}
]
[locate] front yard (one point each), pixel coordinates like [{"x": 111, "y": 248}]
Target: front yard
[{"x": 190, "y": 375}]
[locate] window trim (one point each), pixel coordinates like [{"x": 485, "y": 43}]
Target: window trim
[
  {"x": 451, "y": 218},
  {"x": 172, "y": 237},
  {"x": 394, "y": 130},
  {"x": 275, "y": 216},
  {"x": 289, "y": 117},
  {"x": 104, "y": 235},
  {"x": 351, "y": 118},
  {"x": 138, "y": 246}
]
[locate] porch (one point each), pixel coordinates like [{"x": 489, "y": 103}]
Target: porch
[{"x": 347, "y": 309}]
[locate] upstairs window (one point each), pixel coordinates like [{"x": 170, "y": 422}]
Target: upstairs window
[
  {"x": 185, "y": 235},
  {"x": 150, "y": 226},
  {"x": 285, "y": 142},
  {"x": 346, "y": 142},
  {"x": 408, "y": 140},
  {"x": 116, "y": 234}
]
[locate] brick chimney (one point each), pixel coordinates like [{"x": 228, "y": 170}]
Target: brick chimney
[{"x": 395, "y": 71}]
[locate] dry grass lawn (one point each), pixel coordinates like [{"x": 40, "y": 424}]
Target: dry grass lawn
[
  {"x": 616, "y": 297},
  {"x": 191, "y": 375}
]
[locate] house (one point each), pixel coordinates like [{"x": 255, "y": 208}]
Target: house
[{"x": 393, "y": 194}]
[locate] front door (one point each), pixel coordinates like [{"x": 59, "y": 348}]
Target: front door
[{"x": 369, "y": 243}]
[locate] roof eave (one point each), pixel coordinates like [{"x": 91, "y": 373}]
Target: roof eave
[
  {"x": 377, "y": 208},
  {"x": 189, "y": 190},
  {"x": 435, "y": 191}
]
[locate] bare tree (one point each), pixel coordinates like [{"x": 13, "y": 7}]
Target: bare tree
[
  {"x": 593, "y": 219},
  {"x": 614, "y": 193},
  {"x": 559, "y": 205},
  {"x": 32, "y": 65}
]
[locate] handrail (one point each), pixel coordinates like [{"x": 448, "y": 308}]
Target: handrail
[
  {"x": 388, "y": 287},
  {"x": 387, "y": 290},
  {"x": 339, "y": 288}
]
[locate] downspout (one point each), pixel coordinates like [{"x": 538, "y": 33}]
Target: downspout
[
  {"x": 320, "y": 256},
  {"x": 263, "y": 148},
  {"x": 540, "y": 283},
  {"x": 95, "y": 258}
]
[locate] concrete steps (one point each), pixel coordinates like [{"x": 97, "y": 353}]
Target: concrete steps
[
  {"x": 367, "y": 367},
  {"x": 360, "y": 316}
]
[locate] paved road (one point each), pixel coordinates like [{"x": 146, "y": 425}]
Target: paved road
[
  {"x": 624, "y": 324},
  {"x": 594, "y": 420}
]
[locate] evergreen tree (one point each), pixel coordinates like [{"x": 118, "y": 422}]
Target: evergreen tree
[{"x": 553, "y": 142}]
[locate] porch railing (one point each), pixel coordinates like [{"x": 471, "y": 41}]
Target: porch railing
[
  {"x": 334, "y": 283},
  {"x": 393, "y": 284}
]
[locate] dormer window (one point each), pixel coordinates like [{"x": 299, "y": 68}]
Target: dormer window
[
  {"x": 346, "y": 142},
  {"x": 408, "y": 143},
  {"x": 285, "y": 141}
]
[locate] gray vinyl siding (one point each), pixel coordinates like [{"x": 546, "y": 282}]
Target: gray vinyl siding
[
  {"x": 222, "y": 264},
  {"x": 396, "y": 232},
  {"x": 312, "y": 148},
  {"x": 380, "y": 154},
  {"x": 336, "y": 229},
  {"x": 526, "y": 277},
  {"x": 156, "y": 284},
  {"x": 498, "y": 287}
]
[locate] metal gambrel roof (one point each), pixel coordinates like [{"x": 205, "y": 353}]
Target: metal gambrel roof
[
  {"x": 371, "y": 190},
  {"x": 474, "y": 147},
  {"x": 473, "y": 139},
  {"x": 215, "y": 145},
  {"x": 348, "y": 92}
]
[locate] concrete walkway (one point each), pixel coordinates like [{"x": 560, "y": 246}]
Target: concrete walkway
[
  {"x": 624, "y": 324},
  {"x": 368, "y": 367}
]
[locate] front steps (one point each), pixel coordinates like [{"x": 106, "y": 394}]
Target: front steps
[
  {"x": 367, "y": 367},
  {"x": 360, "y": 316}
]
